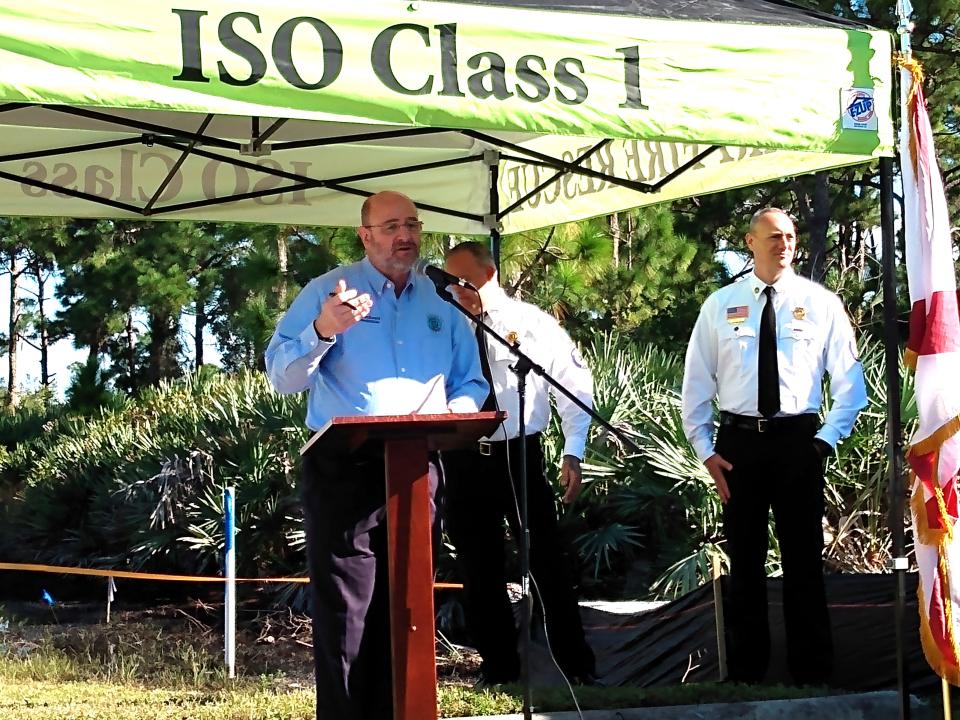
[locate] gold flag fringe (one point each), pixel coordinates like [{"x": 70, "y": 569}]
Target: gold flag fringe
[
  {"x": 925, "y": 534},
  {"x": 913, "y": 66},
  {"x": 935, "y": 440},
  {"x": 941, "y": 666},
  {"x": 910, "y": 359}
]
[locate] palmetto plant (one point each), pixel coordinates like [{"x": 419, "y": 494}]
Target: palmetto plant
[
  {"x": 645, "y": 515},
  {"x": 141, "y": 487},
  {"x": 857, "y": 517}
]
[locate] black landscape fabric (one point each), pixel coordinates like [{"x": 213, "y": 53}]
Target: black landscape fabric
[{"x": 677, "y": 642}]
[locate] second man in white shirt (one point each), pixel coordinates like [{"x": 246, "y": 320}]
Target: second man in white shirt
[{"x": 482, "y": 482}]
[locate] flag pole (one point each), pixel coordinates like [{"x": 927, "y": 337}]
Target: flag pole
[
  {"x": 892, "y": 343},
  {"x": 945, "y": 687},
  {"x": 894, "y": 442}
]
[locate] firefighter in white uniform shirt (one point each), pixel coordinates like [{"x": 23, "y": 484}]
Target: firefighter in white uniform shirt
[
  {"x": 478, "y": 492},
  {"x": 766, "y": 369}
]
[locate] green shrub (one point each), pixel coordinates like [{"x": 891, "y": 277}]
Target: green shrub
[{"x": 141, "y": 486}]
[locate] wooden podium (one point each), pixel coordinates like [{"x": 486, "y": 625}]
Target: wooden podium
[{"x": 406, "y": 440}]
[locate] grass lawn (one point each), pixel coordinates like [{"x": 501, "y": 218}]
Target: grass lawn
[
  {"x": 52, "y": 699},
  {"x": 49, "y": 685},
  {"x": 172, "y": 669}
]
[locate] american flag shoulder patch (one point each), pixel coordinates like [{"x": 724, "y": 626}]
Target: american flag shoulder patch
[{"x": 738, "y": 313}]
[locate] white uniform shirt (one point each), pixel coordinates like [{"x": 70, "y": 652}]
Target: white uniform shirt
[
  {"x": 541, "y": 337},
  {"x": 813, "y": 336}
]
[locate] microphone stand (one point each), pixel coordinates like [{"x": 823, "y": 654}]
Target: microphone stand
[{"x": 521, "y": 368}]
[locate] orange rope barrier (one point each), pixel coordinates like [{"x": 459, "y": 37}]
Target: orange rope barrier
[{"x": 61, "y": 570}]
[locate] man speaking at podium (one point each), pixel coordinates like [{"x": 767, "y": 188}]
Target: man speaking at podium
[{"x": 370, "y": 338}]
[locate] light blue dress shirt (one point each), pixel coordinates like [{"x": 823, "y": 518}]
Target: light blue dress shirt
[{"x": 413, "y": 337}]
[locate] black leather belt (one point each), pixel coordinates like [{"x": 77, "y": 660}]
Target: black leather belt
[
  {"x": 759, "y": 424},
  {"x": 487, "y": 446}
]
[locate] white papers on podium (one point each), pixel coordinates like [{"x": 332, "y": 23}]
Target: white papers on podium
[
  {"x": 403, "y": 396},
  {"x": 400, "y": 396}
]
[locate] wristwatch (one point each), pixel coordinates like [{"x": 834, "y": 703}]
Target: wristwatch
[{"x": 320, "y": 337}]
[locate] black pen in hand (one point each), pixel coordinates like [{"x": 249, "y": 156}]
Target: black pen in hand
[{"x": 345, "y": 302}]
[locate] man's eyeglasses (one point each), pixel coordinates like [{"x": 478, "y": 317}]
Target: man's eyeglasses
[{"x": 414, "y": 227}]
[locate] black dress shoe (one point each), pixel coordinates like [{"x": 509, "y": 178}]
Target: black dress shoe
[
  {"x": 484, "y": 684},
  {"x": 583, "y": 680},
  {"x": 493, "y": 683}
]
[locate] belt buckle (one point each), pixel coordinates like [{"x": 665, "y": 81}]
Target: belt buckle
[
  {"x": 762, "y": 424},
  {"x": 484, "y": 447}
]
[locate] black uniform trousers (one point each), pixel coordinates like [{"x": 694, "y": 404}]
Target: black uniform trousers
[
  {"x": 780, "y": 469},
  {"x": 477, "y": 497},
  {"x": 344, "y": 500}
]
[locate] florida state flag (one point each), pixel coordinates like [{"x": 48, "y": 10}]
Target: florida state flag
[{"x": 934, "y": 352}]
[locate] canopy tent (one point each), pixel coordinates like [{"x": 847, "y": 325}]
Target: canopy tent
[{"x": 491, "y": 116}]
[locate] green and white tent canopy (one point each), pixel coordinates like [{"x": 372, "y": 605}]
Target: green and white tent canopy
[{"x": 488, "y": 114}]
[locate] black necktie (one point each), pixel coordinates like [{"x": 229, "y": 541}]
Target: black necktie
[
  {"x": 490, "y": 403},
  {"x": 768, "y": 375}
]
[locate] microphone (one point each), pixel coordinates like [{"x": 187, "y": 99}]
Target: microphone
[{"x": 440, "y": 278}]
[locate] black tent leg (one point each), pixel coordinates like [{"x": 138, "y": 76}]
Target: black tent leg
[
  {"x": 492, "y": 159},
  {"x": 495, "y": 248},
  {"x": 894, "y": 441}
]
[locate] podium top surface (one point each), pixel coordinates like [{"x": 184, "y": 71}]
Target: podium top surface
[{"x": 444, "y": 431}]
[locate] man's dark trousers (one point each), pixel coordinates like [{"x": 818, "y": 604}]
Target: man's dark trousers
[
  {"x": 344, "y": 512},
  {"x": 780, "y": 469},
  {"x": 478, "y": 496}
]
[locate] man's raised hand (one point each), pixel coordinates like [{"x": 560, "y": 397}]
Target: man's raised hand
[{"x": 342, "y": 309}]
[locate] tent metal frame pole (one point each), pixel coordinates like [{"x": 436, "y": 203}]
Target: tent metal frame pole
[
  {"x": 301, "y": 182},
  {"x": 405, "y": 169},
  {"x": 143, "y": 126},
  {"x": 612, "y": 179},
  {"x": 554, "y": 162},
  {"x": 553, "y": 178},
  {"x": 70, "y": 149},
  {"x": 252, "y": 195},
  {"x": 187, "y": 143},
  {"x": 892, "y": 346},
  {"x": 175, "y": 168},
  {"x": 304, "y": 182},
  {"x": 330, "y": 182},
  {"x": 191, "y": 143},
  {"x": 133, "y": 209},
  {"x": 683, "y": 168},
  {"x": 895, "y": 484},
  {"x": 492, "y": 161},
  {"x": 228, "y": 144},
  {"x": 359, "y": 137},
  {"x": 262, "y": 137}
]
